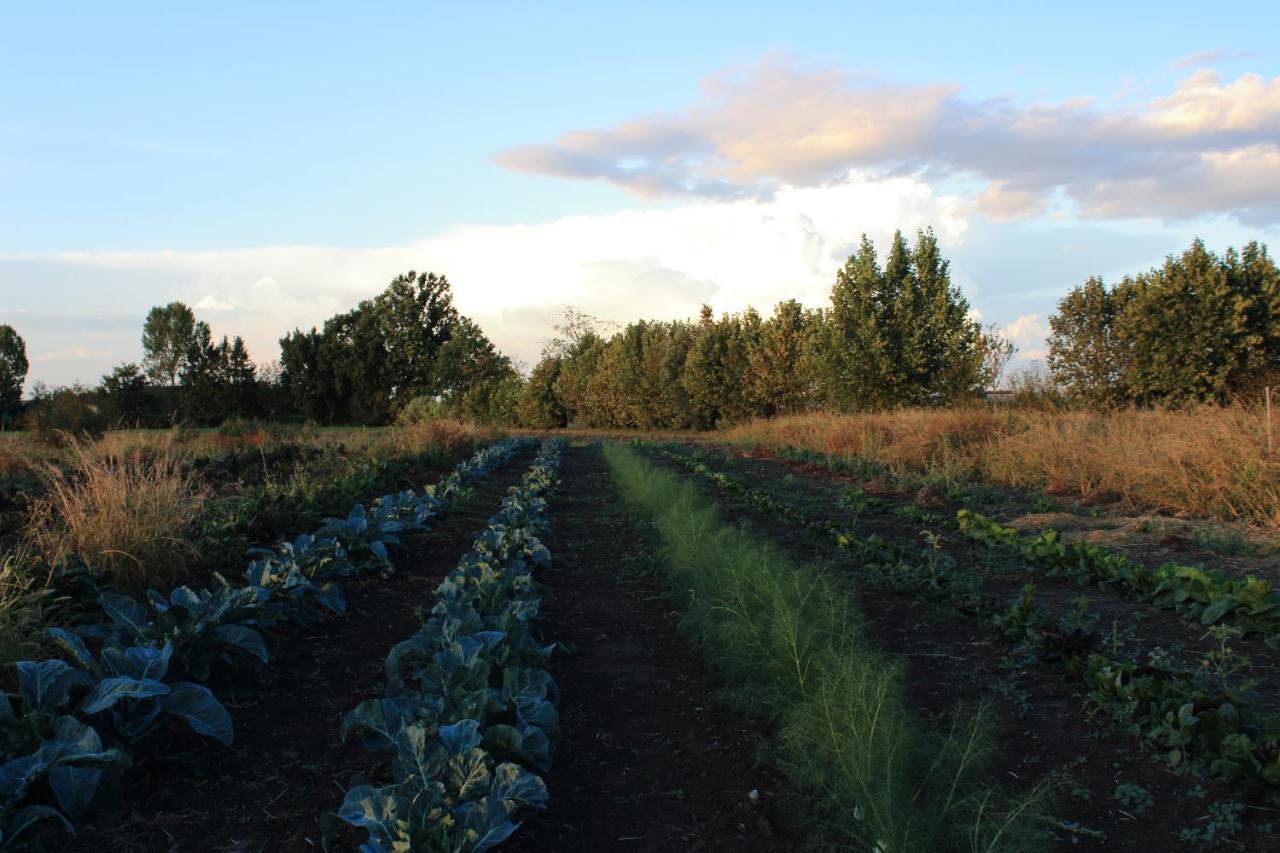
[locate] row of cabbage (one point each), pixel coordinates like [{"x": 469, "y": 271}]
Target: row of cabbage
[
  {"x": 135, "y": 666},
  {"x": 1205, "y": 596},
  {"x": 468, "y": 715}
]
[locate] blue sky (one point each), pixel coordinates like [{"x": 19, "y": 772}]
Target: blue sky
[{"x": 273, "y": 166}]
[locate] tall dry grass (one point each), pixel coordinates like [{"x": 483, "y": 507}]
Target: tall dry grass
[
  {"x": 124, "y": 512},
  {"x": 445, "y": 435},
  {"x": 1209, "y": 462}
]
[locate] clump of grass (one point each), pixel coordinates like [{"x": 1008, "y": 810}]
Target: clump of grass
[
  {"x": 130, "y": 516},
  {"x": 444, "y": 435},
  {"x": 791, "y": 644},
  {"x": 1209, "y": 462}
]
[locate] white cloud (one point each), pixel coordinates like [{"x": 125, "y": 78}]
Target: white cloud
[
  {"x": 213, "y": 303},
  {"x": 514, "y": 280},
  {"x": 1029, "y": 333},
  {"x": 1209, "y": 146}
]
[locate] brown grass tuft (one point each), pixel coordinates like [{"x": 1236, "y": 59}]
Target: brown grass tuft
[
  {"x": 129, "y": 514},
  {"x": 444, "y": 434}
]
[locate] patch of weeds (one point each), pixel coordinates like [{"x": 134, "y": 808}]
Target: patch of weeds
[
  {"x": 1044, "y": 503},
  {"x": 1227, "y": 541},
  {"x": 1134, "y": 798},
  {"x": 1222, "y": 823}
]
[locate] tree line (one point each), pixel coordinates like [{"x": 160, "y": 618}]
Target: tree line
[{"x": 1202, "y": 328}]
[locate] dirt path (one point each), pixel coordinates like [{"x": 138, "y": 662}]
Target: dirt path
[
  {"x": 650, "y": 761},
  {"x": 287, "y": 765}
]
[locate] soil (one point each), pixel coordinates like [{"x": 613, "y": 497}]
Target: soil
[{"x": 650, "y": 761}]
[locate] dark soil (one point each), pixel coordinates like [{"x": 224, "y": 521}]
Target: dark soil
[
  {"x": 952, "y": 659},
  {"x": 650, "y": 761},
  {"x": 287, "y": 766}
]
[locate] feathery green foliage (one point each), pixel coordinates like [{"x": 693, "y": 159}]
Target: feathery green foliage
[{"x": 791, "y": 645}]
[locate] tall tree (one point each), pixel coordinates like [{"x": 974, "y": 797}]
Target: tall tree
[
  {"x": 167, "y": 337},
  {"x": 1084, "y": 353},
  {"x": 901, "y": 335},
  {"x": 778, "y": 379},
  {"x": 13, "y": 372}
]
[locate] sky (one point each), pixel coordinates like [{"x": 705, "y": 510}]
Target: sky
[{"x": 273, "y": 164}]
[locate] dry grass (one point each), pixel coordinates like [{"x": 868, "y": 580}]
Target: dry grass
[
  {"x": 127, "y": 513},
  {"x": 443, "y": 434},
  {"x": 1209, "y": 462}
]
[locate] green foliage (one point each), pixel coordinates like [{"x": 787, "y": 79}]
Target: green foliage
[
  {"x": 901, "y": 335},
  {"x": 13, "y": 372},
  {"x": 122, "y": 677},
  {"x": 217, "y": 379},
  {"x": 58, "y": 413},
  {"x": 1201, "y": 328},
  {"x": 124, "y": 394},
  {"x": 167, "y": 336},
  {"x": 408, "y": 342}
]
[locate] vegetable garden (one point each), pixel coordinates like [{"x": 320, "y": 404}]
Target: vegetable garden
[{"x": 618, "y": 645}]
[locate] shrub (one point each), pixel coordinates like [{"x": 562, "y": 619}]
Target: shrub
[
  {"x": 422, "y": 408},
  {"x": 60, "y": 414}
]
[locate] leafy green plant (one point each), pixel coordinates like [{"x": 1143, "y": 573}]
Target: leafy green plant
[{"x": 1133, "y": 797}]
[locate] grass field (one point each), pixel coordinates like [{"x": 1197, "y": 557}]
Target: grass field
[{"x": 811, "y": 634}]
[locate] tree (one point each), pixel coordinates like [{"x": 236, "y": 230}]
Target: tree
[
  {"x": 901, "y": 335},
  {"x": 1199, "y": 328},
  {"x": 997, "y": 352},
  {"x": 778, "y": 380},
  {"x": 167, "y": 337},
  {"x": 1084, "y": 354},
  {"x": 13, "y": 372},
  {"x": 714, "y": 371},
  {"x": 539, "y": 405},
  {"x": 417, "y": 320},
  {"x": 124, "y": 393},
  {"x": 407, "y": 343}
]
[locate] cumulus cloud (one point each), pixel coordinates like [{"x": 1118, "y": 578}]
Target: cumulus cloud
[
  {"x": 1208, "y": 147},
  {"x": 516, "y": 279},
  {"x": 1030, "y": 333}
]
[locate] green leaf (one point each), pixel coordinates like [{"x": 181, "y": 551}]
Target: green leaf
[
  {"x": 73, "y": 646},
  {"x": 126, "y": 612},
  {"x": 201, "y": 710},
  {"x": 1217, "y": 609},
  {"x": 109, "y": 691}
]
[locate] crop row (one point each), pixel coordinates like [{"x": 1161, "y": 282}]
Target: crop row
[
  {"x": 1198, "y": 594},
  {"x": 468, "y": 713},
  {"x": 894, "y": 566},
  {"x": 1191, "y": 715},
  {"x": 146, "y": 664}
]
